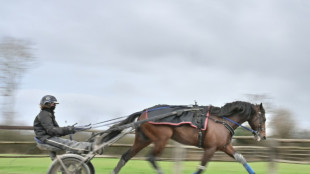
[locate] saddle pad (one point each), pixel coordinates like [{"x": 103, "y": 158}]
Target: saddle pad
[{"x": 196, "y": 119}]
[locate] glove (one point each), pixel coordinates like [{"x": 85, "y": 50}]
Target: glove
[
  {"x": 82, "y": 128},
  {"x": 71, "y": 129}
]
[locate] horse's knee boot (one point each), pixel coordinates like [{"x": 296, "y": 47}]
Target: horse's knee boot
[
  {"x": 126, "y": 156},
  {"x": 239, "y": 158},
  {"x": 242, "y": 160}
]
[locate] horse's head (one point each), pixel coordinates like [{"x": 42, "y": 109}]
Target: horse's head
[{"x": 257, "y": 122}]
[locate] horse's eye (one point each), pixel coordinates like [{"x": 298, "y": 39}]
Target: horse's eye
[{"x": 259, "y": 113}]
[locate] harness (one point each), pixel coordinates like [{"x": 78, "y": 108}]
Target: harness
[
  {"x": 260, "y": 125},
  {"x": 231, "y": 130},
  {"x": 202, "y": 132},
  {"x": 227, "y": 126}
]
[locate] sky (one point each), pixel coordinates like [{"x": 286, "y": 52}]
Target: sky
[{"x": 104, "y": 59}]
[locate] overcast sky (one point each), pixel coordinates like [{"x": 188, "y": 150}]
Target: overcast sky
[{"x": 104, "y": 59}]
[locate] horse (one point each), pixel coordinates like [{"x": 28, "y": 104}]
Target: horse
[{"x": 222, "y": 121}]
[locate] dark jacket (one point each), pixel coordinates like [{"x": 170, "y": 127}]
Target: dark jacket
[{"x": 45, "y": 126}]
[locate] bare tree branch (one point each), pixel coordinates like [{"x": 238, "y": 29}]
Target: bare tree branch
[{"x": 15, "y": 59}]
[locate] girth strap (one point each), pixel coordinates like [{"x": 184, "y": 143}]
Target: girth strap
[
  {"x": 201, "y": 137},
  {"x": 202, "y": 133}
]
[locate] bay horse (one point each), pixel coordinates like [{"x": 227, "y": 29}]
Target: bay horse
[{"x": 217, "y": 137}]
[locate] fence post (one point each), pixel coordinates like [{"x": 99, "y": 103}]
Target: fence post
[
  {"x": 179, "y": 155},
  {"x": 273, "y": 155}
]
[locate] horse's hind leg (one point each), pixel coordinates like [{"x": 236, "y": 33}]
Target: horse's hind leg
[
  {"x": 138, "y": 145},
  {"x": 158, "y": 148},
  {"x": 229, "y": 150},
  {"x": 152, "y": 159},
  {"x": 160, "y": 140}
]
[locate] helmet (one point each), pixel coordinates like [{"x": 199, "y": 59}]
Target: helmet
[{"x": 48, "y": 99}]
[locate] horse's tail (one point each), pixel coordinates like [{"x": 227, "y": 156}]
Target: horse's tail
[
  {"x": 114, "y": 133},
  {"x": 130, "y": 118}
]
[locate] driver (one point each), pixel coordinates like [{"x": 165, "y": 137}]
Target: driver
[{"x": 48, "y": 131}]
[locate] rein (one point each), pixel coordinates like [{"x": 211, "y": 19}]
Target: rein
[
  {"x": 99, "y": 124},
  {"x": 246, "y": 128}
]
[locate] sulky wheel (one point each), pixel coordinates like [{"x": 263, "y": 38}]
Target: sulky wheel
[
  {"x": 74, "y": 164},
  {"x": 91, "y": 167}
]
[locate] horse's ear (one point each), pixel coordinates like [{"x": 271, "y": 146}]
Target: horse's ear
[{"x": 261, "y": 106}]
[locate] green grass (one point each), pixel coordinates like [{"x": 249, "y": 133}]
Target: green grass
[{"x": 105, "y": 166}]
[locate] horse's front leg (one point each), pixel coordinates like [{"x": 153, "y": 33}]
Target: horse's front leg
[
  {"x": 207, "y": 155},
  {"x": 229, "y": 150}
]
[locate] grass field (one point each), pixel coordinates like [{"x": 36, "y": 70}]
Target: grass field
[{"x": 105, "y": 166}]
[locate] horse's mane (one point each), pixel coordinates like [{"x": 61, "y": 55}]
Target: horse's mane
[{"x": 245, "y": 109}]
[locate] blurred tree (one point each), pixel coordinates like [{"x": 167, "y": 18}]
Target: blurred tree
[
  {"x": 15, "y": 58},
  {"x": 283, "y": 124},
  {"x": 261, "y": 98}
]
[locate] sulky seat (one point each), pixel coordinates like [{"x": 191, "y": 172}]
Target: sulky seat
[
  {"x": 52, "y": 149},
  {"x": 43, "y": 146}
]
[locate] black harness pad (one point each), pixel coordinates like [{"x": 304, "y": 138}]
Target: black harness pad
[{"x": 196, "y": 119}]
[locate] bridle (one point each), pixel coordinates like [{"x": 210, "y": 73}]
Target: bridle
[
  {"x": 260, "y": 125},
  {"x": 255, "y": 132}
]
